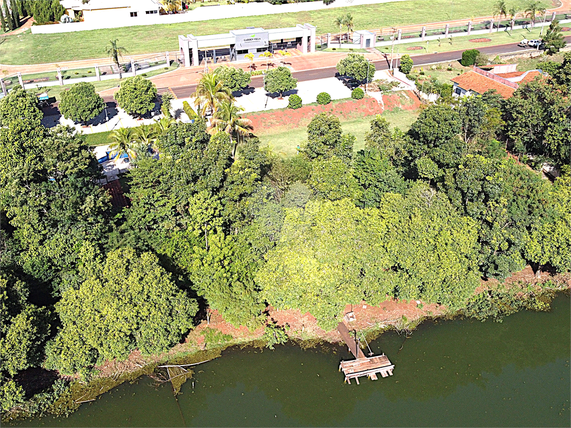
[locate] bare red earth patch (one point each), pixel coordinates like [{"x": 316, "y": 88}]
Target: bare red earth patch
[
  {"x": 347, "y": 110},
  {"x": 414, "y": 48},
  {"x": 481, "y": 40}
]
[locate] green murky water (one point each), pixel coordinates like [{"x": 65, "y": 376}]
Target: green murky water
[{"x": 449, "y": 373}]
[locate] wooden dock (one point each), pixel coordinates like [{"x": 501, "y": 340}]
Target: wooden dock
[{"x": 362, "y": 365}]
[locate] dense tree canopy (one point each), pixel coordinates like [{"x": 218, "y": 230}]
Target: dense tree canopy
[
  {"x": 137, "y": 96},
  {"x": 81, "y": 103},
  {"x": 357, "y": 67},
  {"x": 128, "y": 303}
]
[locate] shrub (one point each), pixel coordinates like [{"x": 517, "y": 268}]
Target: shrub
[
  {"x": 294, "y": 102},
  {"x": 406, "y": 64},
  {"x": 481, "y": 59},
  {"x": 357, "y": 94},
  {"x": 469, "y": 57},
  {"x": 323, "y": 98}
]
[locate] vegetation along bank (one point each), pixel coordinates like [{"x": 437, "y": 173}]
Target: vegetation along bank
[{"x": 218, "y": 226}]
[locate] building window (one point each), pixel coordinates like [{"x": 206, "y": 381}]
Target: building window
[
  {"x": 151, "y": 12},
  {"x": 133, "y": 14},
  {"x": 242, "y": 51}
]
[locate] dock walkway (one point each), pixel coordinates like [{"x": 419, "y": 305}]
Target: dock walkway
[{"x": 362, "y": 365}]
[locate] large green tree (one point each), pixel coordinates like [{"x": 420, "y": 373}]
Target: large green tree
[
  {"x": 137, "y": 96},
  {"x": 357, "y": 67},
  {"x": 553, "y": 40},
  {"x": 81, "y": 103},
  {"x": 128, "y": 303},
  {"x": 325, "y": 139},
  {"x": 233, "y": 78},
  {"x": 20, "y": 105},
  {"x": 332, "y": 253},
  {"x": 279, "y": 80}
]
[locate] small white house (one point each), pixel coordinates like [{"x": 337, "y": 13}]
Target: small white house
[{"x": 114, "y": 11}]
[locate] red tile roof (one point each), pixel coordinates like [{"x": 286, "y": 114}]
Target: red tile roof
[{"x": 472, "y": 81}]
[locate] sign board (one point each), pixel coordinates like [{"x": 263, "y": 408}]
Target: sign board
[{"x": 252, "y": 40}]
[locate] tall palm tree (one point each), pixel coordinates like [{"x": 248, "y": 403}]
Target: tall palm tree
[
  {"x": 513, "y": 12},
  {"x": 115, "y": 52},
  {"x": 500, "y": 9},
  {"x": 340, "y": 21},
  {"x": 533, "y": 9},
  {"x": 210, "y": 92},
  {"x": 349, "y": 24},
  {"x": 123, "y": 143},
  {"x": 227, "y": 119}
]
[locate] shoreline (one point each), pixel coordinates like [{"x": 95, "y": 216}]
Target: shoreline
[{"x": 524, "y": 296}]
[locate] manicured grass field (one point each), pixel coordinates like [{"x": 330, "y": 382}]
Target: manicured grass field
[
  {"x": 27, "y": 48},
  {"x": 285, "y": 143},
  {"x": 463, "y": 43},
  {"x": 98, "y": 139}
]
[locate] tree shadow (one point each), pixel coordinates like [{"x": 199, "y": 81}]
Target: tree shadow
[
  {"x": 276, "y": 95},
  {"x": 246, "y": 91}
]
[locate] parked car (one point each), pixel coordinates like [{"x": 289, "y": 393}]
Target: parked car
[
  {"x": 523, "y": 43},
  {"x": 534, "y": 43}
]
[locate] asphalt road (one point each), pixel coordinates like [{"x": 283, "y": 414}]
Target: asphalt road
[{"x": 381, "y": 64}]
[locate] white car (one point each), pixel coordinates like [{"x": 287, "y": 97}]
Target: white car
[
  {"x": 523, "y": 43},
  {"x": 534, "y": 43}
]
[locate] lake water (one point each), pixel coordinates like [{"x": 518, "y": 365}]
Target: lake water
[{"x": 448, "y": 373}]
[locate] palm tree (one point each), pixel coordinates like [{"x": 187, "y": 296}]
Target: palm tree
[
  {"x": 172, "y": 5},
  {"x": 227, "y": 119},
  {"x": 500, "y": 9},
  {"x": 349, "y": 24},
  {"x": 146, "y": 135},
  {"x": 123, "y": 143},
  {"x": 340, "y": 20},
  {"x": 115, "y": 52},
  {"x": 210, "y": 92},
  {"x": 163, "y": 125},
  {"x": 533, "y": 9},
  {"x": 513, "y": 12}
]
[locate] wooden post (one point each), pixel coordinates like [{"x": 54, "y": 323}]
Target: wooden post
[
  {"x": 97, "y": 73},
  {"x": 423, "y": 33},
  {"x": 469, "y": 27},
  {"x": 59, "y": 76},
  {"x": 491, "y": 24},
  {"x": 399, "y": 35},
  {"x": 20, "y": 79},
  {"x": 168, "y": 60},
  {"x": 446, "y": 30}
]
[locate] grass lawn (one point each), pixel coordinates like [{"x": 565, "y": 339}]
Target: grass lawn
[
  {"x": 55, "y": 91},
  {"x": 285, "y": 143},
  {"x": 27, "y": 48},
  {"x": 98, "y": 139},
  {"x": 463, "y": 43}
]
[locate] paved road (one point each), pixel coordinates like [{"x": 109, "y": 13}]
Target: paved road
[{"x": 381, "y": 64}]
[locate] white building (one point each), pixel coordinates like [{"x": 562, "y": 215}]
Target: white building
[
  {"x": 235, "y": 45},
  {"x": 114, "y": 11}
]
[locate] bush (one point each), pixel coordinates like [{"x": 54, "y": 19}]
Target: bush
[
  {"x": 481, "y": 59},
  {"x": 469, "y": 57},
  {"x": 406, "y": 64},
  {"x": 358, "y": 94},
  {"x": 294, "y": 102},
  {"x": 357, "y": 67},
  {"x": 233, "y": 78},
  {"x": 323, "y": 98}
]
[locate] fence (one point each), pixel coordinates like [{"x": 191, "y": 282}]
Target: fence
[{"x": 60, "y": 77}]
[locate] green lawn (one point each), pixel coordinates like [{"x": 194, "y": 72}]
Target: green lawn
[
  {"x": 462, "y": 43},
  {"x": 285, "y": 143},
  {"x": 98, "y": 139},
  {"x": 27, "y": 48}
]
